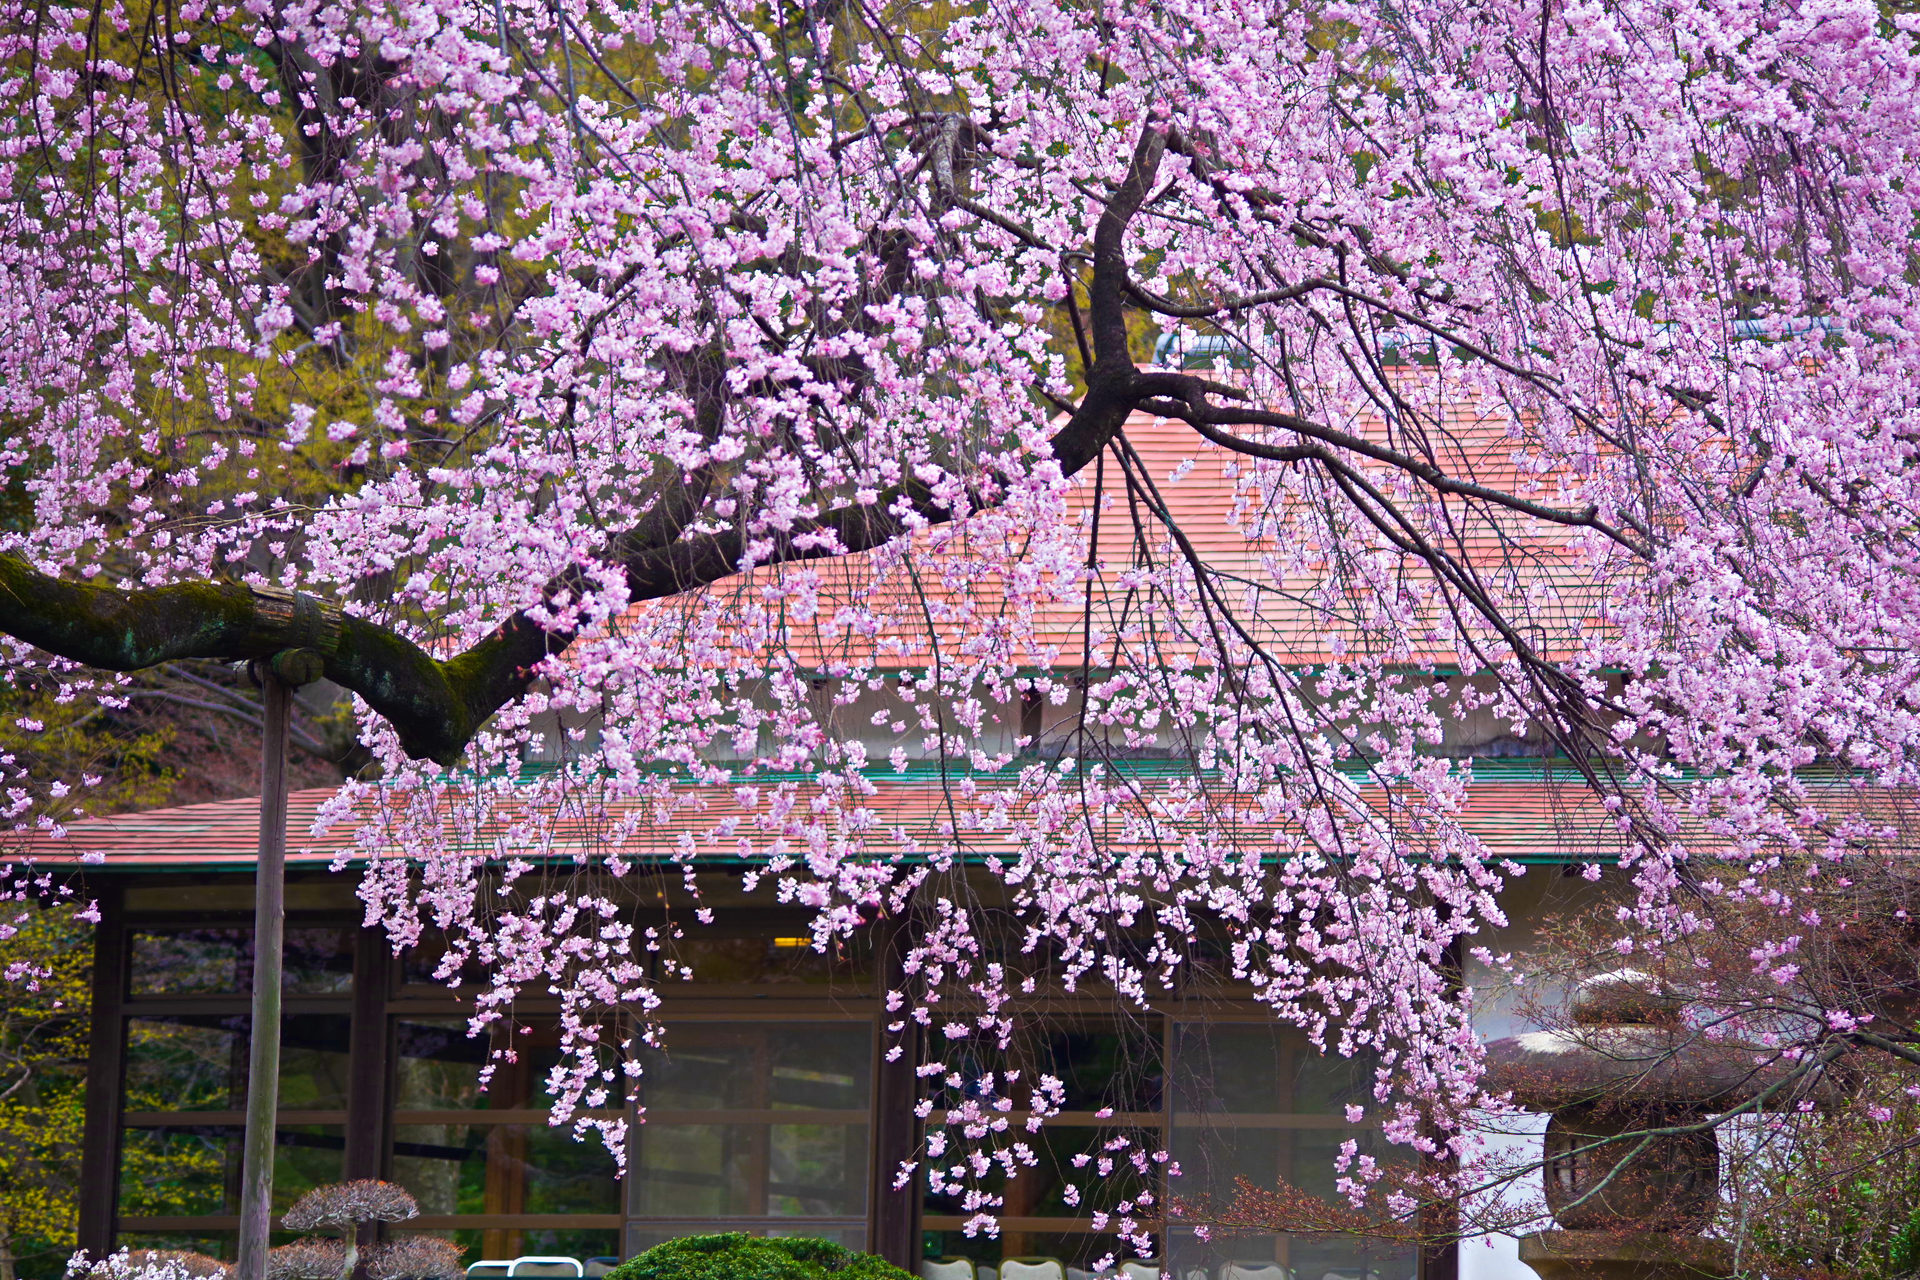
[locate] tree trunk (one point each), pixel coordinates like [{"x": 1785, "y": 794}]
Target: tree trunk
[{"x": 269, "y": 919}]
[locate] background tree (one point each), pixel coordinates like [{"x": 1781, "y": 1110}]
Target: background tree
[
  {"x": 43, "y": 1057},
  {"x": 605, "y": 375}
]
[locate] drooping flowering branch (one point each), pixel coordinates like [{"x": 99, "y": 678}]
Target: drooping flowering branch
[{"x": 736, "y": 408}]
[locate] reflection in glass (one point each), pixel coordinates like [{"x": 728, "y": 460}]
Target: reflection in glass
[
  {"x": 318, "y": 960},
  {"x": 482, "y": 1168},
  {"x": 1262, "y": 1069},
  {"x": 186, "y": 1062},
  {"x": 1042, "y": 1191},
  {"x": 190, "y": 961},
  {"x": 751, "y": 1170},
  {"x": 313, "y": 1061},
  {"x": 1257, "y": 1101},
  {"x": 198, "y": 1062},
  {"x": 437, "y": 1066},
  {"x": 819, "y": 1067},
  {"x": 420, "y": 964},
  {"x": 1102, "y": 1065},
  {"x": 770, "y": 959},
  {"x": 704, "y": 1154},
  {"x": 177, "y": 1170}
]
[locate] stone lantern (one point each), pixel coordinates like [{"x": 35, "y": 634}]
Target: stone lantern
[{"x": 1630, "y": 1210}]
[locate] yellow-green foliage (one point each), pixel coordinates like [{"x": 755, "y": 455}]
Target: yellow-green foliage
[
  {"x": 43, "y": 1048},
  {"x": 43, "y": 1024}
]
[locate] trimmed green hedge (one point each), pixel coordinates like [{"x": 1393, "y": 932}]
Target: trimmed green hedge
[{"x": 743, "y": 1257}]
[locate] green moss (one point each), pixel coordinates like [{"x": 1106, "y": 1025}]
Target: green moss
[{"x": 743, "y": 1257}]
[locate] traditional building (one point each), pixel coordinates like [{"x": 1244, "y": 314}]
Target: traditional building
[{"x": 773, "y": 1106}]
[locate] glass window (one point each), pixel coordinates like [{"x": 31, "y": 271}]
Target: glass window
[
  {"x": 315, "y": 960},
  {"x": 186, "y": 1062},
  {"x": 750, "y": 1170},
  {"x": 438, "y": 1066},
  {"x": 771, "y": 959},
  {"x": 504, "y": 1168},
  {"x": 190, "y": 961},
  {"x": 1041, "y": 1190},
  {"x": 1101, "y": 1064},
  {"x": 461, "y": 1156},
  {"x": 417, "y": 966},
  {"x": 718, "y": 1142},
  {"x": 180, "y": 1170},
  {"x": 812, "y": 1066},
  {"x": 1256, "y": 1101},
  {"x": 199, "y": 1062},
  {"x": 313, "y": 1061}
]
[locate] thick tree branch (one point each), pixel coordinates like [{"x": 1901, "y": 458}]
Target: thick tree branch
[{"x": 437, "y": 705}]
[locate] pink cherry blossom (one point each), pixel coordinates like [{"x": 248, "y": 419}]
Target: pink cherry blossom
[{"x": 774, "y": 366}]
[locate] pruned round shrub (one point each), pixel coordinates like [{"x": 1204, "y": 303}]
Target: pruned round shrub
[{"x": 742, "y": 1257}]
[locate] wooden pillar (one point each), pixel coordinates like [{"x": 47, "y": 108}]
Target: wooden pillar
[
  {"x": 368, "y": 1073},
  {"x": 1440, "y": 1253},
  {"x": 369, "y": 1047},
  {"x": 893, "y": 1216},
  {"x": 106, "y": 1075},
  {"x": 505, "y": 1189}
]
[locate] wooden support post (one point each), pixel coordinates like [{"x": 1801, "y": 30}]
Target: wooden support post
[
  {"x": 106, "y": 1072},
  {"x": 278, "y": 678},
  {"x": 269, "y": 925},
  {"x": 367, "y": 1053},
  {"x": 1440, "y": 1251},
  {"x": 368, "y": 1073},
  {"x": 893, "y": 1216}
]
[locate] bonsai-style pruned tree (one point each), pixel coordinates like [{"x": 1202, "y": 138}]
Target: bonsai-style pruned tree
[{"x": 344, "y": 1208}]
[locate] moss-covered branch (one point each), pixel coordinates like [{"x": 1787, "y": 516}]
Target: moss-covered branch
[
  {"x": 437, "y": 706},
  {"x": 129, "y": 630}
]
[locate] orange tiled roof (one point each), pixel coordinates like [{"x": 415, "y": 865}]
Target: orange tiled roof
[{"x": 1233, "y": 530}]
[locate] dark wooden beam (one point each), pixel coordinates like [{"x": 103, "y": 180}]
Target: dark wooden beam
[
  {"x": 106, "y": 1075},
  {"x": 893, "y": 1216},
  {"x": 1440, "y": 1255},
  {"x": 369, "y": 1069}
]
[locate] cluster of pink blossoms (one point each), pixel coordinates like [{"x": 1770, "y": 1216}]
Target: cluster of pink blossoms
[{"x": 1572, "y": 348}]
